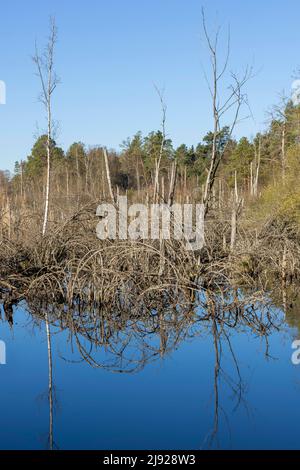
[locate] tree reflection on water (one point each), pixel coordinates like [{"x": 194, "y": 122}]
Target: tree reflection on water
[{"x": 127, "y": 338}]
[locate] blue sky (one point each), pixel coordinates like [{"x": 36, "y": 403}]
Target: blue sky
[{"x": 111, "y": 52}]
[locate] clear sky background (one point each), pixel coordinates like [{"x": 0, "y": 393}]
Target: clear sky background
[{"x": 111, "y": 52}]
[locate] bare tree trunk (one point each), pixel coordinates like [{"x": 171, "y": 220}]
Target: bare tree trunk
[
  {"x": 138, "y": 179},
  {"x": 257, "y": 163},
  {"x": 9, "y": 218},
  {"x": 78, "y": 178},
  {"x": 234, "y": 215},
  {"x": 67, "y": 181},
  {"x": 161, "y": 150},
  {"x": 163, "y": 188},
  {"x": 172, "y": 183},
  {"x": 237, "y": 202},
  {"x": 283, "y": 156},
  {"x": 87, "y": 170},
  {"x": 108, "y": 175},
  {"x": 220, "y": 195},
  {"x": 22, "y": 181},
  {"x": 233, "y": 226},
  {"x": 46, "y": 213}
]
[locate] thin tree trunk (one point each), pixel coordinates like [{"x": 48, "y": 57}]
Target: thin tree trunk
[
  {"x": 46, "y": 213},
  {"x": 234, "y": 214},
  {"x": 138, "y": 179},
  {"x": 172, "y": 184},
  {"x": 283, "y": 150},
  {"x": 108, "y": 175},
  {"x": 257, "y": 160}
]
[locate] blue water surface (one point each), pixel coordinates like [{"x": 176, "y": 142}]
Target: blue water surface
[{"x": 169, "y": 404}]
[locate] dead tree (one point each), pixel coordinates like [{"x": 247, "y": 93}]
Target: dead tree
[
  {"x": 257, "y": 162},
  {"x": 232, "y": 102},
  {"x": 173, "y": 181},
  {"x": 236, "y": 207},
  {"x": 49, "y": 81},
  {"x": 158, "y": 158},
  {"x": 108, "y": 175}
]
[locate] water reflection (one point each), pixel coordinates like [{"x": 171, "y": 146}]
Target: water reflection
[
  {"x": 130, "y": 335},
  {"x": 50, "y": 378},
  {"x": 129, "y": 338}
]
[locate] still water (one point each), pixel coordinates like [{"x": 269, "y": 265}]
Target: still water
[{"x": 180, "y": 400}]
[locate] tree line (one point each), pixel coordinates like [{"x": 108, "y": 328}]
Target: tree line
[{"x": 79, "y": 174}]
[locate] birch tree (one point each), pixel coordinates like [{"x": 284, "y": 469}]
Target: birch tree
[{"x": 48, "y": 80}]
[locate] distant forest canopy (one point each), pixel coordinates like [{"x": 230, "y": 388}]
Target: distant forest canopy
[{"x": 269, "y": 159}]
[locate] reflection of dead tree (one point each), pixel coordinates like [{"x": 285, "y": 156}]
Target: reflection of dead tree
[
  {"x": 216, "y": 378},
  {"x": 139, "y": 329},
  {"x": 143, "y": 323},
  {"x": 128, "y": 335},
  {"x": 236, "y": 387},
  {"x": 257, "y": 322}
]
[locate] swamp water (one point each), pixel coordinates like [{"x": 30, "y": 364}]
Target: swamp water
[{"x": 211, "y": 387}]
